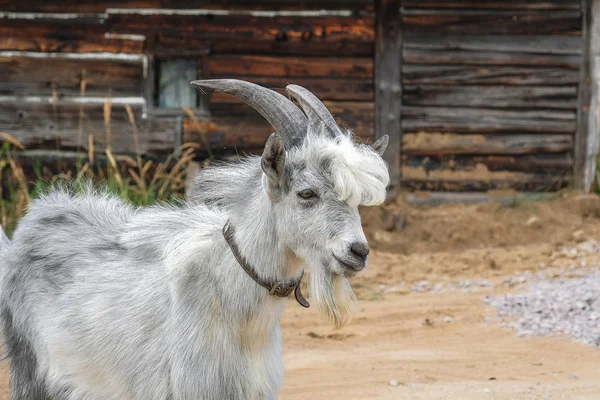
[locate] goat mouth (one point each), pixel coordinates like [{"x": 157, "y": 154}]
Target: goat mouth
[{"x": 349, "y": 269}]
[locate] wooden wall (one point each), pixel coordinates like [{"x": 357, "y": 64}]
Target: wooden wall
[
  {"x": 476, "y": 95},
  {"x": 60, "y": 63},
  {"x": 490, "y": 93}
]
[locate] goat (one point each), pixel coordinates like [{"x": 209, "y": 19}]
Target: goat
[{"x": 103, "y": 300}]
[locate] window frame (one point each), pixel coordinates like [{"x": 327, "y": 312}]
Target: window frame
[{"x": 150, "y": 84}]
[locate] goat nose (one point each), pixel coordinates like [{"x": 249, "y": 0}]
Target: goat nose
[{"x": 361, "y": 249}]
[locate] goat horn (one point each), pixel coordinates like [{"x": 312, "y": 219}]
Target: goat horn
[
  {"x": 318, "y": 115},
  {"x": 287, "y": 119}
]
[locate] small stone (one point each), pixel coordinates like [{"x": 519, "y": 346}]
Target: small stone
[
  {"x": 573, "y": 376},
  {"x": 394, "y": 383},
  {"x": 448, "y": 319},
  {"x": 533, "y": 221},
  {"x": 388, "y": 220},
  {"x": 579, "y": 235},
  {"x": 399, "y": 223}
]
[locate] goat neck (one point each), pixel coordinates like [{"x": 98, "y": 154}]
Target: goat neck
[{"x": 256, "y": 235}]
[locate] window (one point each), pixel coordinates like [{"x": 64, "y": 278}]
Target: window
[
  {"x": 169, "y": 89},
  {"x": 173, "y": 83}
]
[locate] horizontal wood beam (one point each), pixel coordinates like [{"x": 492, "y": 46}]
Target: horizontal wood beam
[
  {"x": 484, "y": 120},
  {"x": 510, "y": 97},
  {"x": 421, "y": 74},
  {"x": 437, "y": 144},
  {"x": 530, "y": 44},
  {"x": 492, "y": 22}
]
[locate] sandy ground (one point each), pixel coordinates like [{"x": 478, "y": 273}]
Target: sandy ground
[
  {"x": 440, "y": 345},
  {"x": 404, "y": 336}
]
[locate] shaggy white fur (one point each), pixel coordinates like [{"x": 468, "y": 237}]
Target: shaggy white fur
[{"x": 359, "y": 174}]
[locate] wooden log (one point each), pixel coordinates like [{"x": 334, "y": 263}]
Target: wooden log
[
  {"x": 254, "y": 33},
  {"x": 586, "y": 137},
  {"x": 388, "y": 83},
  {"x": 326, "y": 89},
  {"x": 487, "y": 75},
  {"x": 530, "y": 44},
  {"x": 65, "y": 37},
  {"x": 66, "y": 126},
  {"x": 438, "y": 144},
  {"x": 418, "y": 56},
  {"x": 480, "y": 120},
  {"x": 235, "y": 128},
  {"x": 327, "y": 77},
  {"x": 492, "y": 96},
  {"x": 494, "y": 4},
  {"x": 63, "y": 76},
  {"x": 560, "y": 162},
  {"x": 492, "y": 22},
  {"x": 101, "y": 6},
  {"x": 290, "y": 67},
  {"x": 480, "y": 179},
  {"x": 355, "y": 116}
]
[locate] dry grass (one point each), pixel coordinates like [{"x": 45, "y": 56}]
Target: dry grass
[{"x": 142, "y": 182}]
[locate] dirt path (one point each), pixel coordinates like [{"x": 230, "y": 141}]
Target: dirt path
[
  {"x": 404, "y": 338},
  {"x": 440, "y": 345}
]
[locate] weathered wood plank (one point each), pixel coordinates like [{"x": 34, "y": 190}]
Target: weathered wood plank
[
  {"x": 586, "y": 138},
  {"x": 64, "y": 76},
  {"x": 487, "y": 75},
  {"x": 323, "y": 88},
  {"x": 237, "y": 127},
  {"x": 418, "y": 56},
  {"x": 314, "y": 35},
  {"x": 291, "y": 67},
  {"x": 388, "y": 83},
  {"x": 531, "y": 44},
  {"x": 44, "y": 126},
  {"x": 560, "y": 162},
  {"x": 486, "y": 120},
  {"x": 90, "y": 6},
  {"x": 495, "y": 4},
  {"x": 439, "y": 144},
  {"x": 330, "y": 78},
  {"x": 480, "y": 178},
  {"x": 65, "y": 37},
  {"x": 492, "y": 22},
  {"x": 492, "y": 96}
]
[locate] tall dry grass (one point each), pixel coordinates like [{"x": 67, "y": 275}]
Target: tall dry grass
[{"x": 139, "y": 181}]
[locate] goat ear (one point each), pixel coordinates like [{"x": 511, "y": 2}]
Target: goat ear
[
  {"x": 273, "y": 164},
  {"x": 380, "y": 145}
]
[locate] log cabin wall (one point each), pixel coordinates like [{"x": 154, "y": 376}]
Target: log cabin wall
[
  {"x": 476, "y": 95},
  {"x": 60, "y": 63},
  {"x": 490, "y": 94}
]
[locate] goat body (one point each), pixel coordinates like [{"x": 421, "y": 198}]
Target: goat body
[
  {"x": 104, "y": 301},
  {"x": 111, "y": 302}
]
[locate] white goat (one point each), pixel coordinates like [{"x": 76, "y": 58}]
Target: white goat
[{"x": 104, "y": 301}]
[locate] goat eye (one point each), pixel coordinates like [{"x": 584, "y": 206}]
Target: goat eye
[{"x": 306, "y": 194}]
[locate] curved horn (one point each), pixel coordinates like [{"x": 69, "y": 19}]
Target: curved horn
[
  {"x": 318, "y": 115},
  {"x": 283, "y": 115}
]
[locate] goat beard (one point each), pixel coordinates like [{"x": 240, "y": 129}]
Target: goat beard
[{"x": 333, "y": 296}]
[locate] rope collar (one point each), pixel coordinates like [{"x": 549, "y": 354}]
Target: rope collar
[{"x": 279, "y": 289}]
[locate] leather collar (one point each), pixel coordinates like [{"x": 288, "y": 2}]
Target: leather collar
[{"x": 279, "y": 289}]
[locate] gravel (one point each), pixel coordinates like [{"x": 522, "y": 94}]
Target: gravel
[{"x": 562, "y": 306}]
